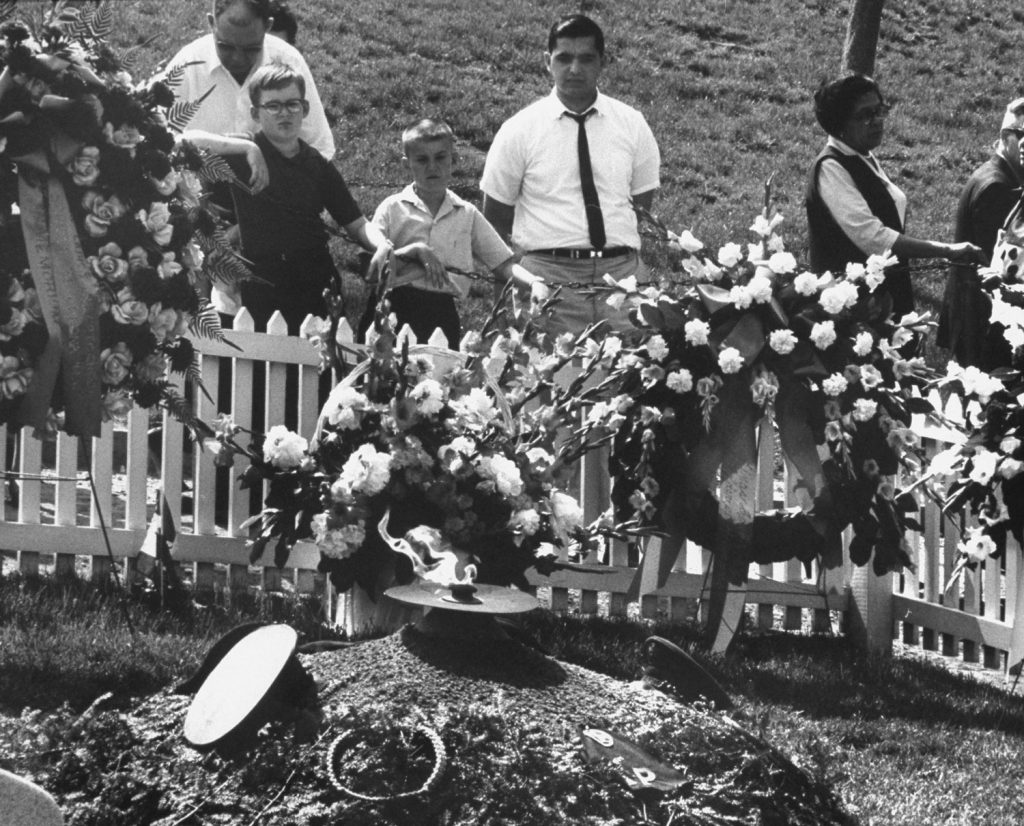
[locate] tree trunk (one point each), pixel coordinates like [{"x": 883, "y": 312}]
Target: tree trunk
[{"x": 862, "y": 36}]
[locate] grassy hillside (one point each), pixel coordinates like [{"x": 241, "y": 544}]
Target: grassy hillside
[{"x": 725, "y": 84}]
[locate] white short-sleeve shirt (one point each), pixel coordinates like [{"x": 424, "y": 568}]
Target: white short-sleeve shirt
[
  {"x": 458, "y": 234},
  {"x": 533, "y": 165},
  {"x": 226, "y": 109}
]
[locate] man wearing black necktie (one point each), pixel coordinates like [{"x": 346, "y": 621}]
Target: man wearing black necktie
[{"x": 563, "y": 174}]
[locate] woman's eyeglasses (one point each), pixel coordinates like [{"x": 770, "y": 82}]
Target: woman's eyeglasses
[
  {"x": 276, "y": 107},
  {"x": 880, "y": 112}
]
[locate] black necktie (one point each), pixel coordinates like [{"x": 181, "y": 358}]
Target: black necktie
[{"x": 595, "y": 221}]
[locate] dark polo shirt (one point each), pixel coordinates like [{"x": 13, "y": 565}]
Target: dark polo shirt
[{"x": 285, "y": 217}]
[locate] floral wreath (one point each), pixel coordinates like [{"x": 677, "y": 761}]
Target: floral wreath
[{"x": 104, "y": 226}]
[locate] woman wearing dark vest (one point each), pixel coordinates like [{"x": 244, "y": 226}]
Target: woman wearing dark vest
[{"x": 853, "y": 209}]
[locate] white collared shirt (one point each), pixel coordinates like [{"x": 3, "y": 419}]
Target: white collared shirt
[
  {"x": 227, "y": 108},
  {"x": 848, "y": 206},
  {"x": 458, "y": 234},
  {"x": 533, "y": 165}
]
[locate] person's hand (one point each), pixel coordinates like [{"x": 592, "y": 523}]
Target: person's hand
[
  {"x": 966, "y": 253},
  {"x": 437, "y": 275},
  {"x": 260, "y": 176},
  {"x": 383, "y": 257},
  {"x": 539, "y": 291}
]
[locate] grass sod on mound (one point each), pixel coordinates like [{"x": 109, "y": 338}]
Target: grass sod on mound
[
  {"x": 725, "y": 84},
  {"x": 901, "y": 741}
]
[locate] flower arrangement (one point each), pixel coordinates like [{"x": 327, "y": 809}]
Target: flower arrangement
[
  {"x": 103, "y": 223},
  {"x": 450, "y": 449},
  {"x": 737, "y": 345},
  {"x": 983, "y": 475}
]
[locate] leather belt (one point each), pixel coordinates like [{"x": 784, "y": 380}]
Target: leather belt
[{"x": 582, "y": 254}]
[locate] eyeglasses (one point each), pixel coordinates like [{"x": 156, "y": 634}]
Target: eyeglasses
[
  {"x": 1019, "y": 133},
  {"x": 276, "y": 107},
  {"x": 880, "y": 112}
]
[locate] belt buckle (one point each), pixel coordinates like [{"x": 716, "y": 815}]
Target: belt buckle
[{"x": 597, "y": 253}]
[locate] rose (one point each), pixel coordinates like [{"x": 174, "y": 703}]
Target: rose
[
  {"x": 14, "y": 379},
  {"x": 107, "y": 265},
  {"x": 85, "y": 166},
  {"x": 115, "y": 363},
  {"x": 102, "y": 212},
  {"x": 162, "y": 321},
  {"x": 284, "y": 448},
  {"x": 192, "y": 256},
  {"x": 14, "y": 326},
  {"x": 157, "y": 222},
  {"x": 167, "y": 184},
  {"x": 137, "y": 257},
  {"x": 117, "y": 404},
  {"x": 128, "y": 309},
  {"x": 123, "y": 136},
  {"x": 152, "y": 368},
  {"x": 168, "y": 267}
]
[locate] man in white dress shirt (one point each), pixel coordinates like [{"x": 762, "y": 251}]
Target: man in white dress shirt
[
  {"x": 535, "y": 179},
  {"x": 225, "y": 59}
]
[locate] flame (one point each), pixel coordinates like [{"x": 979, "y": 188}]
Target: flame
[{"x": 424, "y": 542}]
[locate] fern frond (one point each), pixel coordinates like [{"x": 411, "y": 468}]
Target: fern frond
[
  {"x": 7, "y": 9},
  {"x": 181, "y": 112},
  {"x": 223, "y": 265},
  {"x": 206, "y": 324},
  {"x": 101, "y": 21},
  {"x": 215, "y": 169}
]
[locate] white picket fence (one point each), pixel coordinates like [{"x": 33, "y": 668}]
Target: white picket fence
[{"x": 57, "y": 528}]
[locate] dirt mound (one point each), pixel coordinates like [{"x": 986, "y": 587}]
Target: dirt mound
[{"x": 507, "y": 717}]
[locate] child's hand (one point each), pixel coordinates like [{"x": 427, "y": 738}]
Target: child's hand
[
  {"x": 436, "y": 273},
  {"x": 382, "y": 256},
  {"x": 260, "y": 176}
]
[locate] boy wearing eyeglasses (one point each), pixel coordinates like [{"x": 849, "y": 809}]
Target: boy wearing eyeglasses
[{"x": 281, "y": 230}]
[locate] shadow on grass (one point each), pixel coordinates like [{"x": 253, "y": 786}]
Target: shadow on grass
[
  {"x": 819, "y": 676},
  {"x": 69, "y": 641}
]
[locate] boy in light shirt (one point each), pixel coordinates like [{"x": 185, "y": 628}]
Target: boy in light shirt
[{"x": 433, "y": 231}]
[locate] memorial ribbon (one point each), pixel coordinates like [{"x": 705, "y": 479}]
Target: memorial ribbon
[{"x": 68, "y": 296}]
